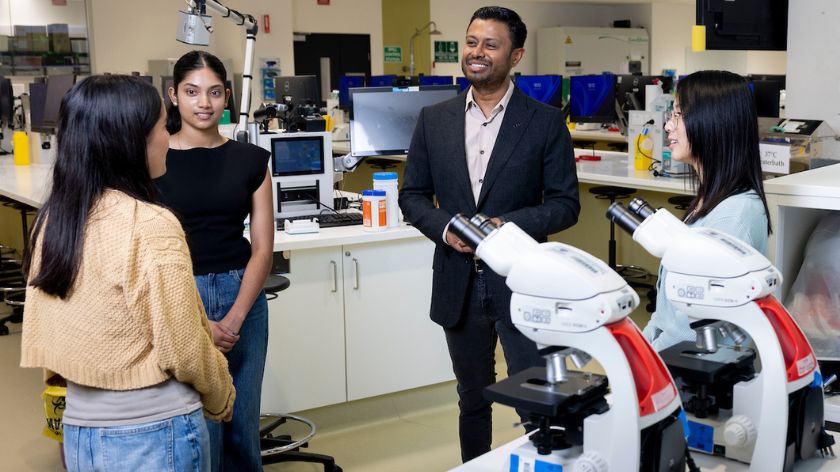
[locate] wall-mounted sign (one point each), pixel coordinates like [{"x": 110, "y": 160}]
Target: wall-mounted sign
[
  {"x": 446, "y": 51},
  {"x": 393, "y": 54}
]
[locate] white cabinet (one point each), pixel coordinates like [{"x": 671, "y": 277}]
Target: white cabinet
[
  {"x": 305, "y": 364},
  {"x": 797, "y": 202},
  {"x": 392, "y": 344},
  {"x": 353, "y": 324}
]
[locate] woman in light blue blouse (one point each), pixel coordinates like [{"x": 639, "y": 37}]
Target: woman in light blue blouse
[{"x": 714, "y": 129}]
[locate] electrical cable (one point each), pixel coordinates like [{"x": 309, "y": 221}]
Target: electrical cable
[{"x": 318, "y": 202}]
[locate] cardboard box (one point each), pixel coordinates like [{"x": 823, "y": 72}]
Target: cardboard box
[
  {"x": 20, "y": 41},
  {"x": 40, "y": 41},
  {"x": 59, "y": 35}
]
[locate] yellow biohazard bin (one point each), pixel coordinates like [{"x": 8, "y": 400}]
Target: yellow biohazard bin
[{"x": 54, "y": 404}]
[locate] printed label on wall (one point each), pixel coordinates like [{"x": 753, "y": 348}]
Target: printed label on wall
[
  {"x": 775, "y": 158},
  {"x": 446, "y": 51}
]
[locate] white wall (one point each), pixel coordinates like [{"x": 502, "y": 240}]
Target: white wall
[
  {"x": 125, "y": 37},
  {"x": 344, "y": 16},
  {"x": 670, "y": 33},
  {"x": 813, "y": 61},
  {"x": 452, "y": 19}
]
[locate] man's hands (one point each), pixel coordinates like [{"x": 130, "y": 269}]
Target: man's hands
[{"x": 459, "y": 245}]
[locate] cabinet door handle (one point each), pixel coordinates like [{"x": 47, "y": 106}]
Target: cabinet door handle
[
  {"x": 356, "y": 266},
  {"x": 335, "y": 276}
]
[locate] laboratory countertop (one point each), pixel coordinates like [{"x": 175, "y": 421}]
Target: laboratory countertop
[
  {"x": 614, "y": 169},
  {"x": 820, "y": 182},
  {"x": 603, "y": 136},
  {"x": 494, "y": 461},
  {"x": 25, "y": 184},
  {"x": 342, "y": 235}
]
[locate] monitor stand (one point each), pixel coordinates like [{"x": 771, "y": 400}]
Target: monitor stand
[
  {"x": 621, "y": 119},
  {"x": 588, "y": 127}
]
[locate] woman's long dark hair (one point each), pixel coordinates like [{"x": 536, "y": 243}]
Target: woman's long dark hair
[
  {"x": 188, "y": 63},
  {"x": 103, "y": 124},
  {"x": 720, "y": 119}
]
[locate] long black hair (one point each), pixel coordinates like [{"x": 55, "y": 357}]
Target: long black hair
[
  {"x": 721, "y": 123},
  {"x": 103, "y": 123},
  {"x": 188, "y": 63}
]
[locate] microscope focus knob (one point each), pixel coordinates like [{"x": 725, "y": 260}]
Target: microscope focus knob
[
  {"x": 739, "y": 431},
  {"x": 591, "y": 462}
]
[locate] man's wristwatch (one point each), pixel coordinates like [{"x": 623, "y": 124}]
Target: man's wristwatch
[{"x": 502, "y": 219}]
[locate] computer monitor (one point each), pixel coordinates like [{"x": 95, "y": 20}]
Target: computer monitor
[
  {"x": 463, "y": 82},
  {"x": 296, "y": 90},
  {"x": 382, "y": 80},
  {"x": 767, "y": 95},
  {"x": 37, "y": 101},
  {"x": 7, "y": 100},
  {"x": 630, "y": 89},
  {"x": 382, "y": 120},
  {"x": 346, "y": 82},
  {"x": 547, "y": 89},
  {"x": 781, "y": 79},
  {"x": 57, "y": 87},
  {"x": 435, "y": 80},
  {"x": 147, "y": 78},
  {"x": 592, "y": 98},
  {"x": 297, "y": 155}
]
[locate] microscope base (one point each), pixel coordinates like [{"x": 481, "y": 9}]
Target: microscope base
[{"x": 722, "y": 389}]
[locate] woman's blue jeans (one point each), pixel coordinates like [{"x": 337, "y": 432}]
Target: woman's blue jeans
[
  {"x": 180, "y": 443},
  {"x": 235, "y": 446}
]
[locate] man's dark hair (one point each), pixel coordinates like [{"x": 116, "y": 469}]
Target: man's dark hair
[{"x": 518, "y": 32}]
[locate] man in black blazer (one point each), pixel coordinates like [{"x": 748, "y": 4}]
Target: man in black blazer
[{"x": 528, "y": 179}]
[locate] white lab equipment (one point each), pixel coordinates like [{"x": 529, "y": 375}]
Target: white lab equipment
[
  {"x": 768, "y": 419},
  {"x": 573, "y": 305}
]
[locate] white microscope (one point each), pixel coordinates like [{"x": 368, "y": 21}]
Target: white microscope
[
  {"x": 573, "y": 305},
  {"x": 768, "y": 419}
]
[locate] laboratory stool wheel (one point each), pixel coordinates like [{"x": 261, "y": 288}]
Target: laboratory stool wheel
[{"x": 282, "y": 448}]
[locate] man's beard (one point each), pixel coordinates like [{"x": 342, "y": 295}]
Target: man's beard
[{"x": 489, "y": 82}]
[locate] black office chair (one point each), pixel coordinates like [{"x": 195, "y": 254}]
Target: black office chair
[
  {"x": 681, "y": 202},
  {"x": 12, "y": 284},
  {"x": 613, "y": 193},
  {"x": 12, "y": 292},
  {"x": 282, "y": 448}
]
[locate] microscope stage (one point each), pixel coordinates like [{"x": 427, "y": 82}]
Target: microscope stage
[
  {"x": 686, "y": 361},
  {"x": 530, "y": 391}
]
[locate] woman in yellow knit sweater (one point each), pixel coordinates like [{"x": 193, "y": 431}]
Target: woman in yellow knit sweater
[{"x": 112, "y": 308}]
